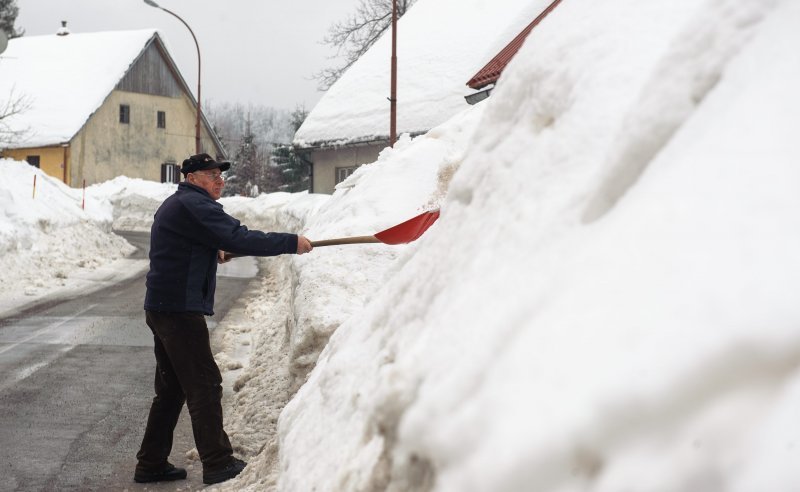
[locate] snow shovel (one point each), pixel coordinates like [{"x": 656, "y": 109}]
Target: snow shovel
[{"x": 406, "y": 232}]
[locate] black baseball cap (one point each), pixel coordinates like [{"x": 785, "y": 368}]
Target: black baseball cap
[{"x": 202, "y": 162}]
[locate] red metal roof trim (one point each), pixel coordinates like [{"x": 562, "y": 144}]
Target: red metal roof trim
[{"x": 491, "y": 72}]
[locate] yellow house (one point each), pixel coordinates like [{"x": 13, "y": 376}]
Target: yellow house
[{"x": 94, "y": 106}]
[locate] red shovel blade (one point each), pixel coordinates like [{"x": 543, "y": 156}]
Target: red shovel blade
[{"x": 409, "y": 230}]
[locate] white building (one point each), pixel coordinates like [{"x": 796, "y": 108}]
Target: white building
[{"x": 441, "y": 45}]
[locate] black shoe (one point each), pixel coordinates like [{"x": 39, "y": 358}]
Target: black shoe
[
  {"x": 167, "y": 474},
  {"x": 234, "y": 468}
]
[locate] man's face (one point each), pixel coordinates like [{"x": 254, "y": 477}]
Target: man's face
[{"x": 210, "y": 180}]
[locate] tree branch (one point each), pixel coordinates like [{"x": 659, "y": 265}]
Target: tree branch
[{"x": 355, "y": 35}]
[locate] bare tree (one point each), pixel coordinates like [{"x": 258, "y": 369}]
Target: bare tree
[
  {"x": 353, "y": 36},
  {"x": 268, "y": 125},
  {"x": 13, "y": 105}
]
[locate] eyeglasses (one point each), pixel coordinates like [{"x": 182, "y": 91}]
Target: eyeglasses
[{"x": 213, "y": 176}]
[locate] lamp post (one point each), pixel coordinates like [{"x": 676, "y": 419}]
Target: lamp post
[{"x": 198, "y": 147}]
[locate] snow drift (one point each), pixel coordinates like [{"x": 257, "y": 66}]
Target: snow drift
[
  {"x": 51, "y": 238},
  {"x": 608, "y": 299}
]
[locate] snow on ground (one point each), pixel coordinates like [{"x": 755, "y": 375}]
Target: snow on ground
[
  {"x": 51, "y": 241},
  {"x": 134, "y": 201},
  {"x": 606, "y": 303},
  {"x": 335, "y": 282}
]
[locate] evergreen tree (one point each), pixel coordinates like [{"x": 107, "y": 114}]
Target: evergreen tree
[
  {"x": 8, "y": 15},
  {"x": 294, "y": 169},
  {"x": 251, "y": 172}
]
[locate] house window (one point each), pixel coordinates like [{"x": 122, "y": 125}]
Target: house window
[
  {"x": 170, "y": 173},
  {"x": 124, "y": 113},
  {"x": 33, "y": 160},
  {"x": 343, "y": 172},
  {"x": 161, "y": 119}
]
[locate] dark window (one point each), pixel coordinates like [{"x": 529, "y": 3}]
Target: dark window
[
  {"x": 124, "y": 113},
  {"x": 343, "y": 172},
  {"x": 33, "y": 160},
  {"x": 170, "y": 173},
  {"x": 161, "y": 120}
]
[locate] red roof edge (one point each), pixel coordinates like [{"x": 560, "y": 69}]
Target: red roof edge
[{"x": 492, "y": 70}]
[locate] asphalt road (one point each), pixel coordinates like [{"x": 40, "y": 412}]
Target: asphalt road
[{"x": 76, "y": 381}]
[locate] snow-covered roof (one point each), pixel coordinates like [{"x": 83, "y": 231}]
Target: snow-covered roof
[
  {"x": 440, "y": 45},
  {"x": 64, "y": 79}
]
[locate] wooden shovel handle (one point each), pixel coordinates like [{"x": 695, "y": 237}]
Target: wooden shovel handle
[
  {"x": 327, "y": 242},
  {"x": 346, "y": 240}
]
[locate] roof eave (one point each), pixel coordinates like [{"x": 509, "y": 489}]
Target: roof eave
[{"x": 331, "y": 144}]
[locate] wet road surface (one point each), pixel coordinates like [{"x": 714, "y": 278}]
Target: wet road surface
[{"x": 76, "y": 381}]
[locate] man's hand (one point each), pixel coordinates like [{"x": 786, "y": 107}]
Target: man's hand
[
  {"x": 303, "y": 245},
  {"x": 221, "y": 257}
]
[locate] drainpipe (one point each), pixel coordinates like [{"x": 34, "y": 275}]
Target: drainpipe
[{"x": 66, "y": 155}]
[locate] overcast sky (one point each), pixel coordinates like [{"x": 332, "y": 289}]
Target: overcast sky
[{"x": 253, "y": 51}]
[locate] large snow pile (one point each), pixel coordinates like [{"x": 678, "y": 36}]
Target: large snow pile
[
  {"x": 134, "y": 201},
  {"x": 608, "y": 301},
  {"x": 50, "y": 237},
  {"x": 334, "y": 283}
]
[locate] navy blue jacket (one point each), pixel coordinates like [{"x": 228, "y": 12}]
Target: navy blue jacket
[{"x": 188, "y": 230}]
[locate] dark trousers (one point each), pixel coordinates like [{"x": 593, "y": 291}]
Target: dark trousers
[{"x": 185, "y": 372}]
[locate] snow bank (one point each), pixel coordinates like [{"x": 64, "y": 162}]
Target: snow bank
[
  {"x": 47, "y": 240},
  {"x": 281, "y": 212},
  {"x": 253, "y": 353},
  {"x": 608, "y": 300},
  {"x": 302, "y": 300},
  {"x": 335, "y": 282},
  {"x": 134, "y": 200}
]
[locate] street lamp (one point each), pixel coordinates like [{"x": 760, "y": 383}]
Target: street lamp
[{"x": 197, "y": 145}]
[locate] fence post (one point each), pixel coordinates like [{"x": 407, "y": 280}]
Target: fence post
[{"x": 34, "y": 187}]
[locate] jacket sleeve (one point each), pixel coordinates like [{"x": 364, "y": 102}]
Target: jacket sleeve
[{"x": 218, "y": 230}]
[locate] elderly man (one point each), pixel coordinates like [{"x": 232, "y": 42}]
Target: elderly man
[{"x": 189, "y": 236}]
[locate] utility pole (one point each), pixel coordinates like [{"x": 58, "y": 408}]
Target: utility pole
[{"x": 393, "y": 97}]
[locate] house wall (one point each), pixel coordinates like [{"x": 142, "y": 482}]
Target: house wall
[
  {"x": 51, "y": 159},
  {"x": 326, "y": 161},
  {"x": 106, "y": 148}
]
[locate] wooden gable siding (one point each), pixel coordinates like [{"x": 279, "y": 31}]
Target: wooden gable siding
[{"x": 150, "y": 74}]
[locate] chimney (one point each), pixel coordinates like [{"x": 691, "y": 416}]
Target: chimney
[{"x": 62, "y": 31}]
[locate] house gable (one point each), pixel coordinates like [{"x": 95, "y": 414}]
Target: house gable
[
  {"x": 120, "y": 106},
  {"x": 151, "y": 74}
]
